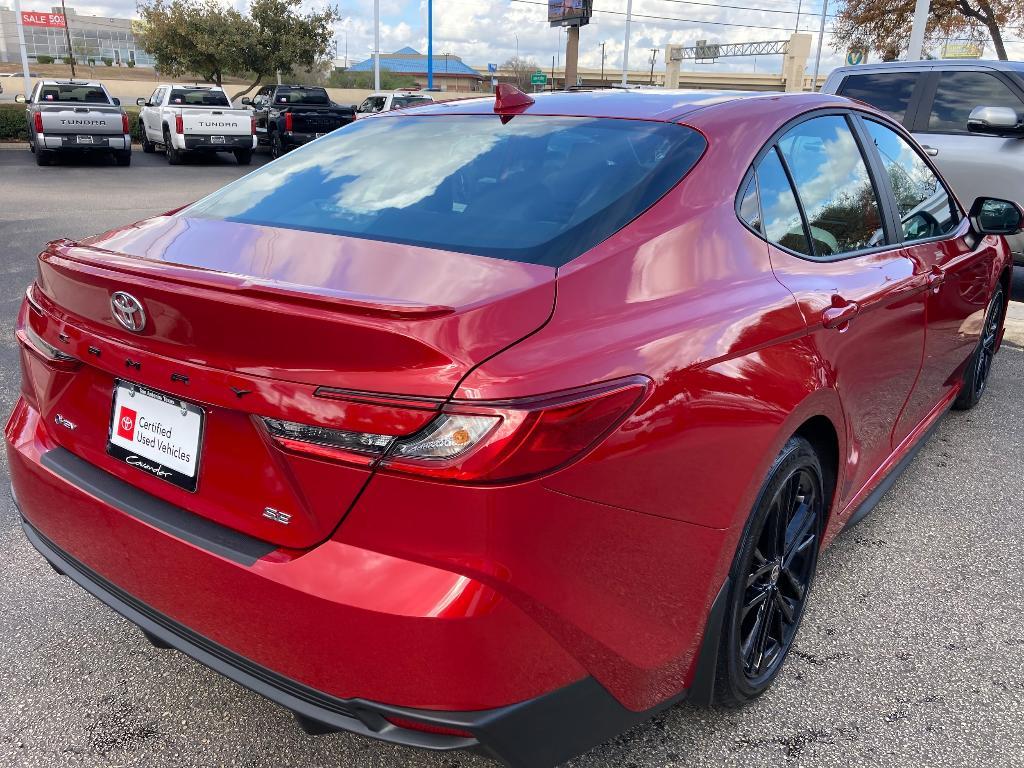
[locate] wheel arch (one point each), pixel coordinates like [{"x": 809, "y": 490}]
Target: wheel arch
[{"x": 821, "y": 433}]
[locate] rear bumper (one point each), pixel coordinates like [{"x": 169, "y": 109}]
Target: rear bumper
[
  {"x": 230, "y": 144},
  {"x": 70, "y": 143},
  {"x": 297, "y": 138}
]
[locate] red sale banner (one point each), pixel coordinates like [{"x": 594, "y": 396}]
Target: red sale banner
[{"x": 33, "y": 19}]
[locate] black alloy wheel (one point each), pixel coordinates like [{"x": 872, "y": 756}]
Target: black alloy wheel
[
  {"x": 772, "y": 575},
  {"x": 276, "y": 146},
  {"x": 980, "y": 365}
]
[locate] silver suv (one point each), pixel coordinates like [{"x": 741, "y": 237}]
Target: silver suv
[{"x": 967, "y": 115}]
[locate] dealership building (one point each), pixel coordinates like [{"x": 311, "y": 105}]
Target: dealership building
[
  {"x": 450, "y": 73},
  {"x": 92, "y": 37}
]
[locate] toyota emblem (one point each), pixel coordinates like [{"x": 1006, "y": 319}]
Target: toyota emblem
[{"x": 128, "y": 311}]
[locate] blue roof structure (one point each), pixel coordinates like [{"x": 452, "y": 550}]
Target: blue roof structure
[{"x": 408, "y": 61}]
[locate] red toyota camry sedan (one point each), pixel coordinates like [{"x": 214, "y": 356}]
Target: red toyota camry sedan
[{"x": 501, "y": 424}]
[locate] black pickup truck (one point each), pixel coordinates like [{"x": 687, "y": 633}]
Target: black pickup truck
[{"x": 290, "y": 115}]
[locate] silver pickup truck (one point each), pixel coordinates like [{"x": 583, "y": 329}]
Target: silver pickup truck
[{"x": 76, "y": 116}]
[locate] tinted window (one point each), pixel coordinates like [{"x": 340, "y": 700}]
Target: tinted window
[
  {"x": 301, "y": 96},
  {"x": 888, "y": 91},
  {"x": 534, "y": 189},
  {"x": 925, "y": 207},
  {"x": 833, "y": 185},
  {"x": 82, "y": 94},
  {"x": 198, "y": 97},
  {"x": 750, "y": 209},
  {"x": 401, "y": 102},
  {"x": 960, "y": 92},
  {"x": 782, "y": 222}
]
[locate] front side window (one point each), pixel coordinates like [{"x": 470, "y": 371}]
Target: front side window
[
  {"x": 833, "y": 184},
  {"x": 889, "y": 92},
  {"x": 782, "y": 222},
  {"x": 925, "y": 207},
  {"x": 532, "y": 189},
  {"x": 960, "y": 92}
]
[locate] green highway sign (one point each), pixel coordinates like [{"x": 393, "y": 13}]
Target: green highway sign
[{"x": 538, "y": 78}]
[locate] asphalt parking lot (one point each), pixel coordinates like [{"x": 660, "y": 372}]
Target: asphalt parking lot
[{"x": 910, "y": 652}]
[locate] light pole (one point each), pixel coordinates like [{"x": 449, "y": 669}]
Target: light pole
[
  {"x": 517, "y": 45},
  {"x": 602, "y": 63},
  {"x": 67, "y": 36},
  {"x": 921, "y": 9},
  {"x": 625, "y": 50},
  {"x": 21, "y": 44},
  {"x": 376, "y": 45},
  {"x": 430, "y": 45},
  {"x": 821, "y": 36}
]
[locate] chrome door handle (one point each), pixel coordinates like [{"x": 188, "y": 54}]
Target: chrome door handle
[
  {"x": 930, "y": 151},
  {"x": 840, "y": 316}
]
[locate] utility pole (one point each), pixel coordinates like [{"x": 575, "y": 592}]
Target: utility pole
[
  {"x": 376, "y": 45},
  {"x": 654, "y": 55},
  {"x": 21, "y": 44},
  {"x": 430, "y": 45},
  {"x": 625, "y": 50},
  {"x": 602, "y": 63},
  {"x": 799, "y": 5},
  {"x": 821, "y": 36},
  {"x": 917, "y": 31},
  {"x": 67, "y": 36}
]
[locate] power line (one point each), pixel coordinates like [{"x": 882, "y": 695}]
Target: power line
[{"x": 744, "y": 8}]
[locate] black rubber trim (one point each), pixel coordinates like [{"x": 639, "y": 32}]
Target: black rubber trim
[
  {"x": 876, "y": 495},
  {"x": 178, "y": 522}
]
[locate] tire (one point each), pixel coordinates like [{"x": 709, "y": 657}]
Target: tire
[
  {"x": 243, "y": 156},
  {"x": 123, "y": 159},
  {"x": 771, "y": 576},
  {"x": 980, "y": 365},
  {"x": 32, "y": 147},
  {"x": 276, "y": 146},
  {"x": 43, "y": 157},
  {"x": 147, "y": 145},
  {"x": 173, "y": 155}
]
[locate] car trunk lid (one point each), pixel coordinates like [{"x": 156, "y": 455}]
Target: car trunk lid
[
  {"x": 221, "y": 122},
  {"x": 68, "y": 119}
]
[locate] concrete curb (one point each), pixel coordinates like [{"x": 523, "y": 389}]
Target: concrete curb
[{"x": 1015, "y": 324}]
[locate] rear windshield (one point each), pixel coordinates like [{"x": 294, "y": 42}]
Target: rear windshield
[
  {"x": 301, "y": 96},
  {"x": 533, "y": 189},
  {"x": 198, "y": 97},
  {"x": 401, "y": 102},
  {"x": 83, "y": 94}
]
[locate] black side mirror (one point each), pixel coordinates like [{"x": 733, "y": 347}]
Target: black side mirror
[
  {"x": 247, "y": 101},
  {"x": 990, "y": 216},
  {"x": 996, "y": 121},
  {"x": 117, "y": 101}
]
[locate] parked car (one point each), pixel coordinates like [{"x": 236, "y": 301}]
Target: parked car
[
  {"x": 944, "y": 103},
  {"x": 288, "y": 116},
  {"x": 66, "y": 116},
  {"x": 502, "y": 424},
  {"x": 195, "y": 118},
  {"x": 385, "y": 101}
]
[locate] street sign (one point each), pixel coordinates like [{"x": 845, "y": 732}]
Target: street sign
[
  {"x": 538, "y": 78},
  {"x": 492, "y": 67},
  {"x": 855, "y": 57},
  {"x": 33, "y": 19}
]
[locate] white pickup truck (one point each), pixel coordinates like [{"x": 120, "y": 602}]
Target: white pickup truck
[{"x": 195, "y": 118}]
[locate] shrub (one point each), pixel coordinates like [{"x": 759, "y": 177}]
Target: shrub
[
  {"x": 108, "y": 61},
  {"x": 13, "y": 126},
  {"x": 130, "y": 63},
  {"x": 44, "y": 59},
  {"x": 69, "y": 60}
]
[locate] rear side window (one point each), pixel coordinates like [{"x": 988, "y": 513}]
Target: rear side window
[
  {"x": 783, "y": 224},
  {"x": 833, "y": 184},
  {"x": 198, "y": 97},
  {"x": 960, "y": 92},
  {"x": 533, "y": 189},
  {"x": 750, "y": 208},
  {"x": 402, "y": 102},
  {"x": 925, "y": 207},
  {"x": 301, "y": 96},
  {"x": 889, "y": 92},
  {"x": 80, "y": 94}
]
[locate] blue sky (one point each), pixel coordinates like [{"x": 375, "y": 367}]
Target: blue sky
[{"x": 485, "y": 31}]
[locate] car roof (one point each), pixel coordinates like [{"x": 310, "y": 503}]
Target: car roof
[
  {"x": 930, "y": 65},
  {"x": 83, "y": 83},
  {"x": 191, "y": 86},
  {"x": 633, "y": 103}
]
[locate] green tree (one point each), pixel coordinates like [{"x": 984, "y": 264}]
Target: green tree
[
  {"x": 884, "y": 25},
  {"x": 389, "y": 81}
]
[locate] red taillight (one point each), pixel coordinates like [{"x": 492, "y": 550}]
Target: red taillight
[
  {"x": 124, "y": 124},
  {"x": 37, "y": 122},
  {"x": 416, "y": 725},
  {"x": 289, "y": 121},
  {"x": 179, "y": 125},
  {"x": 478, "y": 442},
  {"x": 252, "y": 125}
]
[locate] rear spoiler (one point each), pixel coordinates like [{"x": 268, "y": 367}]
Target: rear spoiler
[{"x": 103, "y": 263}]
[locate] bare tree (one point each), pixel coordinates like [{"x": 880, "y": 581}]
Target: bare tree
[{"x": 521, "y": 70}]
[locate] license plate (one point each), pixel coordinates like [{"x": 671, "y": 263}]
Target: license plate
[
  {"x": 217, "y": 139},
  {"x": 84, "y": 139},
  {"x": 156, "y": 433}
]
